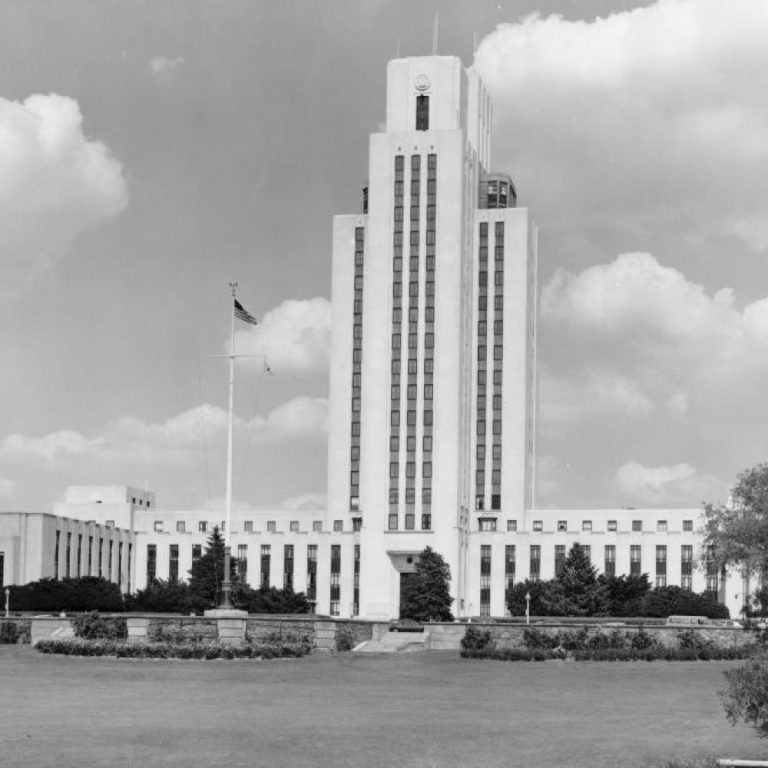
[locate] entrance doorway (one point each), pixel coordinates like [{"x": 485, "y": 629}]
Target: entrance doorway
[{"x": 405, "y": 580}]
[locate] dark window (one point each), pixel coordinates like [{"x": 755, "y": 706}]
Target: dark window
[{"x": 422, "y": 112}]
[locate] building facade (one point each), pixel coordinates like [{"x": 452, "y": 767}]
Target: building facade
[{"x": 432, "y": 418}]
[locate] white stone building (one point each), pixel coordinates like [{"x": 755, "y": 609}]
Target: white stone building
[{"x": 432, "y": 400}]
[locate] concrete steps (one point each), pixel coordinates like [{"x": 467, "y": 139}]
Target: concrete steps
[{"x": 396, "y": 642}]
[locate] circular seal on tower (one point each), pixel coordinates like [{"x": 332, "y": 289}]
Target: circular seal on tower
[{"x": 421, "y": 83}]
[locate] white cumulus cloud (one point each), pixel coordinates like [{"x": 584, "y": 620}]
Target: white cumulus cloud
[
  {"x": 294, "y": 337},
  {"x": 651, "y": 119},
  {"x": 54, "y": 184},
  {"x": 304, "y": 502},
  {"x": 163, "y": 64},
  {"x": 667, "y": 485},
  {"x": 55, "y": 445}
]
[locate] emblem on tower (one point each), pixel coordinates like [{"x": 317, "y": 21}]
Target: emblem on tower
[{"x": 422, "y": 83}]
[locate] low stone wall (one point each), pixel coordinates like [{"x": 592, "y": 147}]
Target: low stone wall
[
  {"x": 359, "y": 630},
  {"x": 448, "y": 636}
]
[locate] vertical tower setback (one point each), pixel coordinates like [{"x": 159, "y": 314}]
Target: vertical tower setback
[{"x": 432, "y": 384}]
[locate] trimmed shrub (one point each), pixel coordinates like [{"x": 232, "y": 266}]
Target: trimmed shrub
[
  {"x": 92, "y": 626},
  {"x": 9, "y": 633},
  {"x": 476, "y": 639},
  {"x": 746, "y": 695},
  {"x": 88, "y": 593},
  {"x": 536, "y": 638},
  {"x": 345, "y": 638}
]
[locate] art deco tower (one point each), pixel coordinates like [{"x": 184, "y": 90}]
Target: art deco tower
[{"x": 433, "y": 339}]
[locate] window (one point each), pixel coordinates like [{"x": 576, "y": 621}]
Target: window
[
  {"x": 311, "y": 590},
  {"x": 538, "y": 525},
  {"x": 266, "y": 558},
  {"x": 180, "y": 526},
  {"x": 610, "y": 560},
  {"x": 271, "y": 526},
  {"x": 511, "y": 525},
  {"x": 288, "y": 566},
  {"x": 634, "y": 560},
  {"x": 392, "y": 523},
  {"x": 686, "y": 566},
  {"x": 151, "y": 562},
  {"x": 661, "y": 566},
  {"x": 535, "y": 565},
  {"x": 317, "y": 526},
  {"x": 611, "y": 526},
  {"x": 562, "y": 525},
  {"x": 559, "y": 558},
  {"x": 688, "y": 526},
  {"x": 173, "y": 562},
  {"x": 294, "y": 526},
  {"x": 248, "y": 526},
  {"x": 637, "y": 525},
  {"x": 202, "y": 526},
  {"x": 586, "y": 525},
  {"x": 487, "y": 524},
  {"x": 197, "y": 552},
  {"x": 158, "y": 526},
  {"x": 661, "y": 526},
  {"x": 426, "y": 522}
]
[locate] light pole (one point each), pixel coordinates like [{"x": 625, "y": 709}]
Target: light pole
[{"x": 527, "y": 607}]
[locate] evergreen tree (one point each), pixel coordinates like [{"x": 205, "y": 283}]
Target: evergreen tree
[
  {"x": 426, "y": 596},
  {"x": 583, "y": 595},
  {"x": 207, "y": 575}
]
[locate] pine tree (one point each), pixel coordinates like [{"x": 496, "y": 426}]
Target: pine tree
[
  {"x": 207, "y": 574},
  {"x": 426, "y": 595},
  {"x": 584, "y": 596}
]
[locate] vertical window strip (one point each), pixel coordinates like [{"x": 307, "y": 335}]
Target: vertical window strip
[
  {"x": 482, "y": 347},
  {"x": 498, "y": 344},
  {"x": 357, "y": 356},
  {"x": 356, "y": 583},
  {"x": 429, "y": 342},
  {"x": 485, "y": 580},
  {"x": 396, "y": 350},
  {"x": 413, "y": 318}
]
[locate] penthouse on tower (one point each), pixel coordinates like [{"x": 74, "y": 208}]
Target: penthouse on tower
[{"x": 433, "y": 340}]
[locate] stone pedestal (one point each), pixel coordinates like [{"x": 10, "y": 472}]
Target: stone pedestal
[
  {"x": 137, "y": 629},
  {"x": 230, "y": 624}
]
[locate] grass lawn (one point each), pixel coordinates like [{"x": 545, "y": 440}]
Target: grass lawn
[{"x": 418, "y": 710}]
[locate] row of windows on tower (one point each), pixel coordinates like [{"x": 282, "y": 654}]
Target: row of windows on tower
[
  {"x": 420, "y": 337},
  {"x": 357, "y": 356}
]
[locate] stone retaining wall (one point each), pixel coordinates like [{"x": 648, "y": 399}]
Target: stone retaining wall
[{"x": 448, "y": 636}]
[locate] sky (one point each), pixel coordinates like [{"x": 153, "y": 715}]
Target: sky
[{"x": 153, "y": 152}]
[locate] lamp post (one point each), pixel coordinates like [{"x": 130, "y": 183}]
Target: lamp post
[
  {"x": 527, "y": 607},
  {"x": 7, "y": 602}
]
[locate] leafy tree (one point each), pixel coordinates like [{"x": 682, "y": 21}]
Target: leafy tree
[
  {"x": 426, "y": 596},
  {"x": 87, "y": 593},
  {"x": 746, "y": 695},
  {"x": 737, "y": 533},
  {"x": 161, "y": 597},
  {"x": 674, "y": 601},
  {"x": 582, "y": 593},
  {"x": 547, "y": 598},
  {"x": 207, "y": 575},
  {"x": 273, "y": 600},
  {"x": 625, "y": 593}
]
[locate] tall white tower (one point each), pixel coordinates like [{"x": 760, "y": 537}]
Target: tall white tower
[{"x": 432, "y": 363}]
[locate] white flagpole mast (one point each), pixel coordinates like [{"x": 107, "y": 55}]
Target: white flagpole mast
[{"x": 226, "y": 585}]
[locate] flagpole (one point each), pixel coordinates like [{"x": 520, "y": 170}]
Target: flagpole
[{"x": 226, "y": 585}]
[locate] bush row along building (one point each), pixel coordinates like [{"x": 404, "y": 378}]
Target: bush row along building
[{"x": 432, "y": 433}]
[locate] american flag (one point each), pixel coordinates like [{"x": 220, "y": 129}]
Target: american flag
[{"x": 242, "y": 314}]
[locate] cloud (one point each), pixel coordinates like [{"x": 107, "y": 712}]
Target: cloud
[
  {"x": 6, "y": 487},
  {"x": 293, "y": 338},
  {"x": 658, "y": 328},
  {"x": 161, "y": 65},
  {"x": 650, "y": 120},
  {"x": 671, "y": 485},
  {"x": 54, "y": 184},
  {"x": 55, "y": 445},
  {"x": 304, "y": 502}
]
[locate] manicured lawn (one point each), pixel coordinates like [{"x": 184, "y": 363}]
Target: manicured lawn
[{"x": 425, "y": 710}]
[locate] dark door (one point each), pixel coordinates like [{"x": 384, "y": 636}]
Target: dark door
[{"x": 405, "y": 580}]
